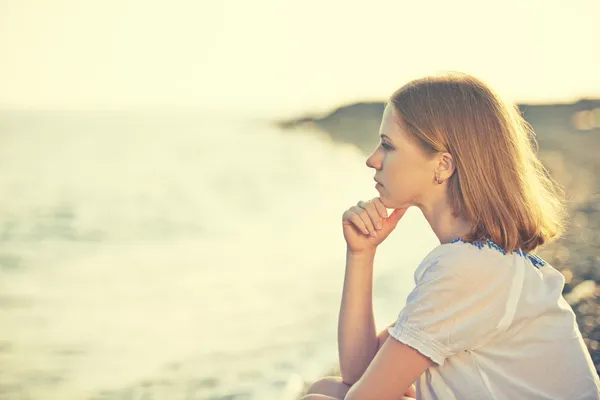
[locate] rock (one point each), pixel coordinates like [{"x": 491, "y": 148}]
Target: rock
[{"x": 582, "y": 291}]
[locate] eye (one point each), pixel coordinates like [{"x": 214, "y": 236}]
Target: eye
[{"x": 386, "y": 146}]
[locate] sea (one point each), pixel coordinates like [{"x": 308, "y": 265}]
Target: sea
[{"x": 179, "y": 255}]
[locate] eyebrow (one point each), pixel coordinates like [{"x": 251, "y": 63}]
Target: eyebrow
[{"x": 386, "y": 136}]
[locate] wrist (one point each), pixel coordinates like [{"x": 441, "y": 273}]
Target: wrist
[{"x": 370, "y": 253}]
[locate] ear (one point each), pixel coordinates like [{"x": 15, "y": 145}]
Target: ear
[{"x": 446, "y": 165}]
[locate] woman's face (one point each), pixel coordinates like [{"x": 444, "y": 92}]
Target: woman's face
[{"x": 406, "y": 174}]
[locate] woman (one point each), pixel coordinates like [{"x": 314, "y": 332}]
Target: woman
[{"x": 486, "y": 319}]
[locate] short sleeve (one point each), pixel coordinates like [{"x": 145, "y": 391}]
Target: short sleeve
[{"x": 458, "y": 304}]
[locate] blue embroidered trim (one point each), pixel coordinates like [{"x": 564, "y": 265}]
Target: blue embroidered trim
[{"x": 536, "y": 260}]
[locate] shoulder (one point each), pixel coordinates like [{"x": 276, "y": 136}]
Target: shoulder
[{"x": 464, "y": 260}]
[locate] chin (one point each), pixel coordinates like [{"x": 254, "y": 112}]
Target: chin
[
  {"x": 393, "y": 204},
  {"x": 386, "y": 203}
]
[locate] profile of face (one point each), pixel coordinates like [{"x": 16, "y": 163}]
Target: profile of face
[{"x": 405, "y": 172}]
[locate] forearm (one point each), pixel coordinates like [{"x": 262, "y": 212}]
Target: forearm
[{"x": 357, "y": 337}]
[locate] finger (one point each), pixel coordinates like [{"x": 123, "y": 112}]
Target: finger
[
  {"x": 364, "y": 216},
  {"x": 357, "y": 221},
  {"x": 354, "y": 219},
  {"x": 380, "y": 207},
  {"x": 397, "y": 214},
  {"x": 372, "y": 212},
  {"x": 393, "y": 219},
  {"x": 369, "y": 213}
]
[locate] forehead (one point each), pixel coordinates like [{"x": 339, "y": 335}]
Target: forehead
[
  {"x": 393, "y": 127},
  {"x": 391, "y": 124}
]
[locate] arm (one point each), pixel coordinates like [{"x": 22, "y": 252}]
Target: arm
[
  {"x": 381, "y": 338},
  {"x": 392, "y": 371},
  {"x": 359, "y": 275},
  {"x": 357, "y": 340},
  {"x": 384, "y": 335}
]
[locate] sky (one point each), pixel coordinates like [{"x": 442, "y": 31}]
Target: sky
[{"x": 287, "y": 56}]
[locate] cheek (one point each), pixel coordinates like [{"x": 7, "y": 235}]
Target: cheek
[
  {"x": 399, "y": 169},
  {"x": 407, "y": 176}
]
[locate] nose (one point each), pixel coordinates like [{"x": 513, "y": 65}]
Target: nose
[{"x": 370, "y": 160}]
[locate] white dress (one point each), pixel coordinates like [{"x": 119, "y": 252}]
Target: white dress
[{"x": 496, "y": 327}]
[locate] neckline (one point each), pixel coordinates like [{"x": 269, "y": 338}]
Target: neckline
[{"x": 536, "y": 260}]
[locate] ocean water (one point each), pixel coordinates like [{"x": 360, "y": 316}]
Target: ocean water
[{"x": 178, "y": 255}]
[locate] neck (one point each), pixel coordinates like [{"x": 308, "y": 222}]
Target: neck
[{"x": 445, "y": 226}]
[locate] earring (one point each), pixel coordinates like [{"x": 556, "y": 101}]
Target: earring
[{"x": 438, "y": 180}]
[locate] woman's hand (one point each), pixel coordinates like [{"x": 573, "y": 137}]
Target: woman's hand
[{"x": 367, "y": 224}]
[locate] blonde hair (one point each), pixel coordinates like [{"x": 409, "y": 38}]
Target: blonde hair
[{"x": 499, "y": 184}]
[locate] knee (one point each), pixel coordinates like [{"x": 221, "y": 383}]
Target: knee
[{"x": 329, "y": 386}]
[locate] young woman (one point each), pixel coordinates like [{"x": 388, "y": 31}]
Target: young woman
[{"x": 486, "y": 319}]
